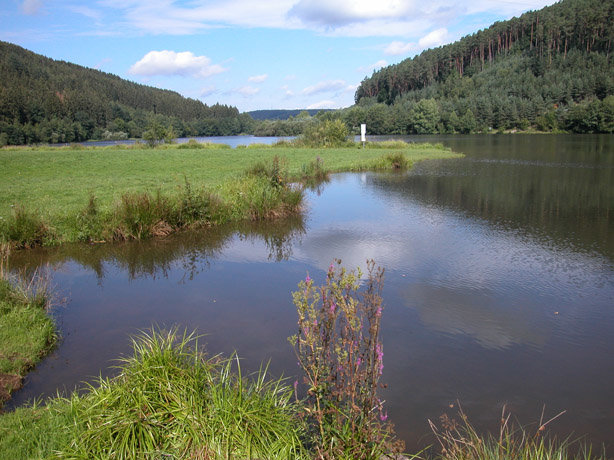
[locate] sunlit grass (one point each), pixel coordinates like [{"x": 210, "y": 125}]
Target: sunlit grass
[
  {"x": 169, "y": 401},
  {"x": 55, "y": 185}
]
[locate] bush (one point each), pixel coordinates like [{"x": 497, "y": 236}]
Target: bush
[{"x": 329, "y": 133}]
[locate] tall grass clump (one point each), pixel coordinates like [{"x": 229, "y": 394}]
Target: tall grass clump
[
  {"x": 89, "y": 224},
  {"x": 172, "y": 401},
  {"x": 314, "y": 173},
  {"x": 24, "y": 229},
  {"x": 459, "y": 440},
  {"x": 341, "y": 356},
  {"x": 258, "y": 198},
  {"x": 143, "y": 215},
  {"x": 264, "y": 192}
]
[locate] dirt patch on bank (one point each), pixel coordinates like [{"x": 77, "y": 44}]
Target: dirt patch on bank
[{"x": 8, "y": 384}]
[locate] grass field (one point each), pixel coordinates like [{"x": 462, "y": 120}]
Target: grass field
[{"x": 56, "y": 183}]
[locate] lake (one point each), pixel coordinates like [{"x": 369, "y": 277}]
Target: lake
[{"x": 499, "y": 285}]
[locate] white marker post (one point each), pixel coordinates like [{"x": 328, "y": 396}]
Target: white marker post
[{"x": 363, "y": 134}]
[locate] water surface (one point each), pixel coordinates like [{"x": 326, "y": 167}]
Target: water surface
[{"x": 499, "y": 285}]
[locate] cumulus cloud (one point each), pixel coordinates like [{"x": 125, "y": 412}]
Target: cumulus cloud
[
  {"x": 325, "y": 86},
  {"x": 401, "y": 18},
  {"x": 322, "y": 105},
  {"x": 435, "y": 38},
  {"x": 171, "y": 63},
  {"x": 397, "y": 48},
  {"x": 258, "y": 78},
  {"x": 341, "y": 12},
  {"x": 31, "y": 7}
]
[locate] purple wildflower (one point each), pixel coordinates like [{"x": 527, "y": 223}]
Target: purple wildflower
[
  {"x": 380, "y": 358},
  {"x": 332, "y": 308},
  {"x": 383, "y": 417}
]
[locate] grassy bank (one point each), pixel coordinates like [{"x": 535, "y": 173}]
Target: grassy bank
[
  {"x": 56, "y": 195},
  {"x": 27, "y": 332},
  {"x": 172, "y": 401}
]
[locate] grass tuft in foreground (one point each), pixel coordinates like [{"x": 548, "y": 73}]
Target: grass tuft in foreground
[{"x": 172, "y": 400}]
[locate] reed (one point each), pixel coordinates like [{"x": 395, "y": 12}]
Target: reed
[{"x": 459, "y": 440}]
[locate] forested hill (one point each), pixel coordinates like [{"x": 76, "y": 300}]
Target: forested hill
[
  {"x": 282, "y": 114},
  {"x": 43, "y": 100},
  {"x": 541, "y": 64}
]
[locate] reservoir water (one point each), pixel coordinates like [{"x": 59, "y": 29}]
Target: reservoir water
[{"x": 499, "y": 285}]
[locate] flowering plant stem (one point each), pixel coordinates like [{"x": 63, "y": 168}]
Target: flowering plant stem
[{"x": 341, "y": 356}]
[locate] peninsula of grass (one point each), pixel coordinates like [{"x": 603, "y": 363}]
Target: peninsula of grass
[
  {"x": 27, "y": 333},
  {"x": 54, "y": 195}
]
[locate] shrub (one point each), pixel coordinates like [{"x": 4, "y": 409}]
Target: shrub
[
  {"x": 329, "y": 133},
  {"x": 341, "y": 356}
]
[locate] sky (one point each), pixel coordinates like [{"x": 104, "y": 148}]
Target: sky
[{"x": 266, "y": 54}]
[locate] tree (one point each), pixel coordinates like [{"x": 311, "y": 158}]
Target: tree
[{"x": 424, "y": 117}]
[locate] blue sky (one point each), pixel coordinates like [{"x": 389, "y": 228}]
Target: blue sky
[{"x": 277, "y": 54}]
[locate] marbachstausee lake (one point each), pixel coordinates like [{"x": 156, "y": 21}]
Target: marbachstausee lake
[{"x": 499, "y": 286}]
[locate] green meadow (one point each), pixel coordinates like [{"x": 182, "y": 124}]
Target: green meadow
[{"x": 55, "y": 185}]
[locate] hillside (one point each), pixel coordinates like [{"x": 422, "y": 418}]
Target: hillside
[
  {"x": 550, "y": 69},
  {"x": 283, "y": 114},
  {"x": 43, "y": 100}
]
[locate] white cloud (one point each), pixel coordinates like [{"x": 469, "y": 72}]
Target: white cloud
[
  {"x": 31, "y": 7},
  {"x": 325, "y": 86},
  {"x": 248, "y": 91},
  {"x": 172, "y": 63},
  {"x": 322, "y": 105},
  {"x": 435, "y": 38},
  {"x": 258, "y": 78},
  {"x": 341, "y": 12},
  {"x": 402, "y": 18},
  {"x": 397, "y": 48},
  {"x": 288, "y": 93}
]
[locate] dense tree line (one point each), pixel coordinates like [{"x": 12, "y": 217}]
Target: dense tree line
[
  {"x": 43, "y": 100},
  {"x": 550, "y": 69}
]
